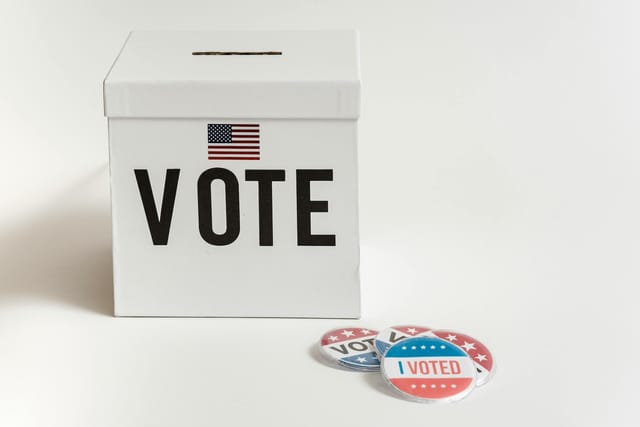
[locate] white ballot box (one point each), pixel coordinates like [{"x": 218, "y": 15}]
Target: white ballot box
[{"x": 233, "y": 160}]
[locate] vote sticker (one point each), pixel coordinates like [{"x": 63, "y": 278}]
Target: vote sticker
[
  {"x": 477, "y": 351},
  {"x": 429, "y": 369},
  {"x": 352, "y": 348},
  {"x": 387, "y": 337}
]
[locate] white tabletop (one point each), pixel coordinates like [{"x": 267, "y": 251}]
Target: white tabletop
[{"x": 499, "y": 197}]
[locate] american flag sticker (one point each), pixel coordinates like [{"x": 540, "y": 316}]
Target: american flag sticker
[
  {"x": 233, "y": 141},
  {"x": 429, "y": 369}
]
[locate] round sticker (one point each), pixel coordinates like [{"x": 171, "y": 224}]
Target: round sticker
[
  {"x": 387, "y": 337},
  {"x": 429, "y": 369},
  {"x": 351, "y": 348},
  {"x": 477, "y": 351}
]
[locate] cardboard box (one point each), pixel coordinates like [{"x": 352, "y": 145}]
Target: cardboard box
[{"x": 233, "y": 160}]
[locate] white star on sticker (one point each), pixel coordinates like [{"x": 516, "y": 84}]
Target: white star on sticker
[
  {"x": 423, "y": 347},
  {"x": 361, "y": 359},
  {"x": 365, "y": 331},
  {"x": 452, "y": 337},
  {"x": 333, "y": 338},
  {"x": 468, "y": 346},
  {"x": 347, "y": 333},
  {"x": 481, "y": 357},
  {"x": 411, "y": 330}
]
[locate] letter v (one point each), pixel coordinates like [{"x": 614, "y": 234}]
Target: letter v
[
  {"x": 159, "y": 225},
  {"x": 342, "y": 349}
]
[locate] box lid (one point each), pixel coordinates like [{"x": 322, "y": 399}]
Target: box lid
[{"x": 235, "y": 74}]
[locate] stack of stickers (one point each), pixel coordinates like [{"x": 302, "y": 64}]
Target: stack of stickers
[{"x": 420, "y": 363}]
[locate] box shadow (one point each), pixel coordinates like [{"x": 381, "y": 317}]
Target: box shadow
[{"x": 62, "y": 253}]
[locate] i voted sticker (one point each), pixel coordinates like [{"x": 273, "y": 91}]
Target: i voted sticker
[
  {"x": 478, "y": 352},
  {"x": 352, "y": 348},
  {"x": 429, "y": 369},
  {"x": 387, "y": 337}
]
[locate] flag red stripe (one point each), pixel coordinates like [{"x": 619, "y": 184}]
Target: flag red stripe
[
  {"x": 234, "y": 142},
  {"x": 233, "y": 147},
  {"x": 231, "y": 152},
  {"x": 233, "y": 158},
  {"x": 245, "y": 125},
  {"x": 245, "y": 130}
]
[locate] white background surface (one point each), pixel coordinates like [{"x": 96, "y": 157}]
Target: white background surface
[{"x": 498, "y": 168}]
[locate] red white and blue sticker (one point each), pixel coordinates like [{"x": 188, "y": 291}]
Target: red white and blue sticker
[
  {"x": 351, "y": 348},
  {"x": 429, "y": 369},
  {"x": 478, "y": 352},
  {"x": 387, "y": 337}
]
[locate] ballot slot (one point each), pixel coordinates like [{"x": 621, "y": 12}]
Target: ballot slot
[{"x": 235, "y": 53}]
